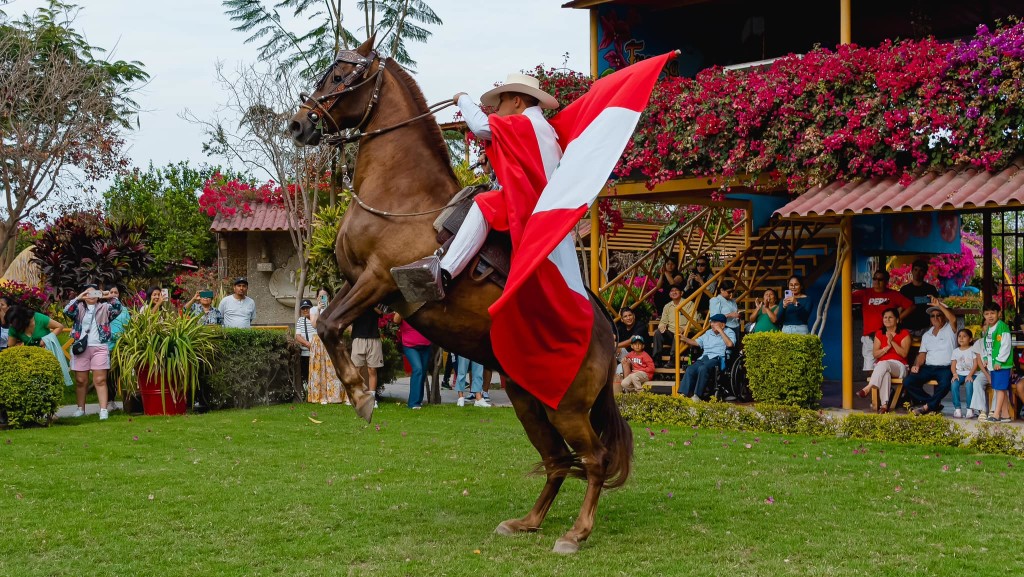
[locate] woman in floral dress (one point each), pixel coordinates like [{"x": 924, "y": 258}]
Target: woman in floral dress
[{"x": 324, "y": 384}]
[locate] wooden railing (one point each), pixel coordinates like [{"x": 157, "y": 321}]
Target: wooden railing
[{"x": 709, "y": 231}]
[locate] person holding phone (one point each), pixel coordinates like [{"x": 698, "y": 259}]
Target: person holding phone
[
  {"x": 92, "y": 312},
  {"x": 201, "y": 305},
  {"x": 154, "y": 300},
  {"x": 796, "y": 308}
]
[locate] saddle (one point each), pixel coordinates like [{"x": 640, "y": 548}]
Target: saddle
[{"x": 495, "y": 257}]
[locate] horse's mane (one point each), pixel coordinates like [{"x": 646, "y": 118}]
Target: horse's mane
[{"x": 421, "y": 103}]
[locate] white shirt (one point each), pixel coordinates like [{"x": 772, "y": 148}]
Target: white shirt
[
  {"x": 938, "y": 348},
  {"x": 89, "y": 320},
  {"x": 238, "y": 314},
  {"x": 964, "y": 360},
  {"x": 547, "y": 138},
  {"x": 304, "y": 328}
]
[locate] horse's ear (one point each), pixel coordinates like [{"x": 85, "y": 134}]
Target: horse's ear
[{"x": 365, "y": 48}]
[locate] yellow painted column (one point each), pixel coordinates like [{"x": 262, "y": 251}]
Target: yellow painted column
[
  {"x": 845, "y": 28},
  {"x": 593, "y": 43},
  {"x": 595, "y": 248},
  {"x": 845, "y": 239}
]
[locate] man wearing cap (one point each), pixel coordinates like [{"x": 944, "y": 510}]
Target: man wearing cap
[
  {"x": 239, "y": 310},
  {"x": 426, "y": 279},
  {"x": 933, "y": 359},
  {"x": 304, "y": 332},
  {"x": 639, "y": 366},
  {"x": 715, "y": 342}
]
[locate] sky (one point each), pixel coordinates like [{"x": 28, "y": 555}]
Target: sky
[{"x": 179, "y": 42}]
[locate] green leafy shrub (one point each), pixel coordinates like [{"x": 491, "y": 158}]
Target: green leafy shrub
[
  {"x": 253, "y": 367},
  {"x": 784, "y": 368},
  {"x": 31, "y": 385},
  {"x": 997, "y": 440},
  {"x": 681, "y": 411},
  {"x": 904, "y": 429}
]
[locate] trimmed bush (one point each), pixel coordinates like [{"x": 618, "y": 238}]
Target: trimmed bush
[
  {"x": 904, "y": 429},
  {"x": 785, "y": 369},
  {"x": 253, "y": 367},
  {"x": 31, "y": 385}
]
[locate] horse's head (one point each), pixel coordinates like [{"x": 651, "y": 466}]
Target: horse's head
[{"x": 343, "y": 97}]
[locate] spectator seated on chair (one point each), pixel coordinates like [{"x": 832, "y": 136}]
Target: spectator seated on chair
[
  {"x": 715, "y": 342},
  {"x": 934, "y": 359},
  {"x": 627, "y": 327},
  {"x": 639, "y": 366},
  {"x": 890, "y": 347}
]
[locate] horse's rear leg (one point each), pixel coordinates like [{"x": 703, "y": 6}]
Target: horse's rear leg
[
  {"x": 339, "y": 314},
  {"x": 575, "y": 428},
  {"x": 554, "y": 454}
]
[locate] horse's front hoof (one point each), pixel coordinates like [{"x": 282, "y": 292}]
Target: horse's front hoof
[
  {"x": 364, "y": 406},
  {"x": 566, "y": 546},
  {"x": 509, "y": 528}
]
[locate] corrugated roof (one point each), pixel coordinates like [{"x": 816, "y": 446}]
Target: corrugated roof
[
  {"x": 263, "y": 217},
  {"x": 954, "y": 189}
]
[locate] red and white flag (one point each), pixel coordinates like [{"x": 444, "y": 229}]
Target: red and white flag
[{"x": 541, "y": 325}]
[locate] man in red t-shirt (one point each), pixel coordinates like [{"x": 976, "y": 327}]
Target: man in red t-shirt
[{"x": 873, "y": 302}]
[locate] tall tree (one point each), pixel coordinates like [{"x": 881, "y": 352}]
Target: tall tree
[
  {"x": 63, "y": 109},
  {"x": 309, "y": 52}
]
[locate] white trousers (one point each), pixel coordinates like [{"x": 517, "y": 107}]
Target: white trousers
[
  {"x": 882, "y": 376},
  {"x": 467, "y": 242}
]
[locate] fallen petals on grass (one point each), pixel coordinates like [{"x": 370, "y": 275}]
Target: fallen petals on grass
[
  {"x": 769, "y": 501},
  {"x": 945, "y": 468},
  {"x": 687, "y": 443},
  {"x": 897, "y": 488},
  {"x": 748, "y": 445},
  {"x": 882, "y": 465}
]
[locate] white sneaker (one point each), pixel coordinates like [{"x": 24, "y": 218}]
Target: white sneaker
[
  {"x": 79, "y": 412},
  {"x": 461, "y": 402},
  {"x": 111, "y": 406},
  {"x": 970, "y": 413},
  {"x": 695, "y": 398},
  {"x": 104, "y": 414},
  {"x": 957, "y": 414},
  {"x": 481, "y": 403},
  {"x": 375, "y": 404}
]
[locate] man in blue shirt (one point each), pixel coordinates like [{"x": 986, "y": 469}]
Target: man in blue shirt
[{"x": 715, "y": 341}]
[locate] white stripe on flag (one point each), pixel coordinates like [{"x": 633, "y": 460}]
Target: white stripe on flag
[
  {"x": 575, "y": 182},
  {"x": 564, "y": 257}
]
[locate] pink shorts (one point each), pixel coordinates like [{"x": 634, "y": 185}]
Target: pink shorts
[{"x": 93, "y": 359}]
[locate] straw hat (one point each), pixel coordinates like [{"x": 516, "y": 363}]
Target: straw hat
[{"x": 524, "y": 85}]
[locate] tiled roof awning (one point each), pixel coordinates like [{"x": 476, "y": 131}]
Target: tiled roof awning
[
  {"x": 262, "y": 217},
  {"x": 954, "y": 189}
]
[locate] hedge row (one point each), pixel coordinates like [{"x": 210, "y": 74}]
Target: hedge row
[{"x": 649, "y": 408}]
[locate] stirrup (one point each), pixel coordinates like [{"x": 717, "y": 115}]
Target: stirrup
[{"x": 421, "y": 281}]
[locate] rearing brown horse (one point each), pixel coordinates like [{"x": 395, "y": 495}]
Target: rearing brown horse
[{"x": 404, "y": 171}]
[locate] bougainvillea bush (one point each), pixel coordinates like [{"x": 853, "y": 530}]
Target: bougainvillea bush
[
  {"x": 24, "y": 295},
  {"x": 886, "y": 111}
]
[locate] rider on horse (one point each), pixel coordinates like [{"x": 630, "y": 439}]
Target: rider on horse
[{"x": 427, "y": 278}]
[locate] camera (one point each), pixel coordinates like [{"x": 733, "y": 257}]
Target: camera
[{"x": 95, "y": 293}]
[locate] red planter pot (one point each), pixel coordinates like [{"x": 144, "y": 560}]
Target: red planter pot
[{"x": 155, "y": 402}]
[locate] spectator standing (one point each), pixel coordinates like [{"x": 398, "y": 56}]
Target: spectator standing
[
  {"x": 451, "y": 366},
  {"x": 965, "y": 365},
  {"x": 201, "y": 305},
  {"x": 27, "y": 327},
  {"x": 669, "y": 276},
  {"x": 639, "y": 366},
  {"x": 5, "y": 305},
  {"x": 92, "y": 311},
  {"x": 766, "y": 313},
  {"x": 416, "y": 348},
  {"x": 934, "y": 359},
  {"x": 724, "y": 304},
  {"x": 978, "y": 400},
  {"x": 156, "y": 300},
  {"x": 890, "y": 348},
  {"x": 715, "y": 342},
  {"x": 995, "y": 335},
  {"x": 873, "y": 302},
  {"x": 700, "y": 274},
  {"x": 304, "y": 332},
  {"x": 476, "y": 386},
  {"x": 920, "y": 294},
  {"x": 666, "y": 331},
  {"x": 238, "y": 309},
  {"x": 117, "y": 327},
  {"x": 626, "y": 328},
  {"x": 324, "y": 386},
  {"x": 796, "y": 308},
  {"x": 367, "y": 349}
]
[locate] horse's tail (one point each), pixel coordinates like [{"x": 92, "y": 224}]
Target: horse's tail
[{"x": 615, "y": 434}]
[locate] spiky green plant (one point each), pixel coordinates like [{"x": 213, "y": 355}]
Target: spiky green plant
[{"x": 170, "y": 348}]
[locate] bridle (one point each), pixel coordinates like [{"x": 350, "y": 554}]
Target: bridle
[{"x": 361, "y": 65}]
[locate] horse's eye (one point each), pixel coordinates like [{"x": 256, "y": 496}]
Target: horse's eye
[{"x": 337, "y": 78}]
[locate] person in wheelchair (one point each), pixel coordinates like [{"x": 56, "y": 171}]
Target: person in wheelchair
[{"x": 715, "y": 342}]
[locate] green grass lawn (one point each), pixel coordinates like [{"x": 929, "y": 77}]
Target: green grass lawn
[{"x": 270, "y": 492}]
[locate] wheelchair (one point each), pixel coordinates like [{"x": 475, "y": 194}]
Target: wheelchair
[{"x": 728, "y": 381}]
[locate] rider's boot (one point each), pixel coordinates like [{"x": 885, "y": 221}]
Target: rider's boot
[{"x": 423, "y": 280}]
